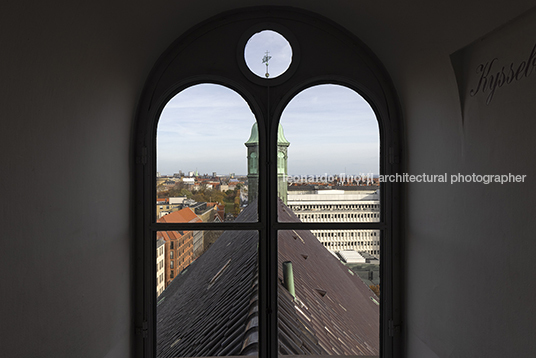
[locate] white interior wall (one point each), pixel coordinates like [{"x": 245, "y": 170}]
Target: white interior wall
[
  {"x": 71, "y": 75},
  {"x": 469, "y": 246}
]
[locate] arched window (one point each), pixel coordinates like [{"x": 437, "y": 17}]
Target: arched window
[{"x": 213, "y": 52}]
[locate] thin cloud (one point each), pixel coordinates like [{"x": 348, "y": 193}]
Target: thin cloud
[{"x": 331, "y": 129}]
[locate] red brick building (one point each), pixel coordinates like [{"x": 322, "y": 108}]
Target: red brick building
[{"x": 179, "y": 244}]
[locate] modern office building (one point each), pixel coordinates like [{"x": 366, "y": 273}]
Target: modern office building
[{"x": 348, "y": 205}]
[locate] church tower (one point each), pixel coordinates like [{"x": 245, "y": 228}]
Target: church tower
[
  {"x": 282, "y": 169},
  {"x": 253, "y": 163}
]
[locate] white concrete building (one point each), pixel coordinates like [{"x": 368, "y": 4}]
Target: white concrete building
[
  {"x": 358, "y": 205},
  {"x": 160, "y": 267},
  {"x": 352, "y": 257},
  {"x": 190, "y": 181}
]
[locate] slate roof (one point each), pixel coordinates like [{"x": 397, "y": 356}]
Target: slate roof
[
  {"x": 210, "y": 309},
  {"x": 206, "y": 310},
  {"x": 331, "y": 300}
]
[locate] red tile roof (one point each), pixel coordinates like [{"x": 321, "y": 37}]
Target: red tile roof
[
  {"x": 168, "y": 235},
  {"x": 185, "y": 215}
]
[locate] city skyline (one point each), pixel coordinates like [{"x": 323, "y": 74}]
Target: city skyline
[{"x": 204, "y": 128}]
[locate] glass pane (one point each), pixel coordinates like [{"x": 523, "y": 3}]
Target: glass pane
[
  {"x": 208, "y": 306},
  {"x": 328, "y": 156},
  {"x": 201, "y": 154},
  {"x": 328, "y": 296},
  {"x": 268, "y": 54}
]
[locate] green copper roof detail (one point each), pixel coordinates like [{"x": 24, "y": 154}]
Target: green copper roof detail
[
  {"x": 281, "y": 140},
  {"x": 254, "y": 137}
]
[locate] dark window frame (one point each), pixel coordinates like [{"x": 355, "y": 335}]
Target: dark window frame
[{"x": 267, "y": 100}]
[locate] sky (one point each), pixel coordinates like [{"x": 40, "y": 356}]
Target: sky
[
  {"x": 278, "y": 49},
  {"x": 331, "y": 129}
]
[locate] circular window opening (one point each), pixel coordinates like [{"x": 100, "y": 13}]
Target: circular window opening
[{"x": 268, "y": 54}]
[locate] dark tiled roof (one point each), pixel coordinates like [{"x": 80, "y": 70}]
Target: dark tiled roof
[
  {"x": 210, "y": 309},
  {"x": 333, "y": 301}
]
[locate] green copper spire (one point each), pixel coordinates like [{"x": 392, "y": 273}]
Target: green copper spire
[
  {"x": 254, "y": 137},
  {"x": 253, "y": 163},
  {"x": 281, "y": 140}
]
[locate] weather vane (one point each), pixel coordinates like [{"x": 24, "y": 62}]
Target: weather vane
[{"x": 265, "y": 60}]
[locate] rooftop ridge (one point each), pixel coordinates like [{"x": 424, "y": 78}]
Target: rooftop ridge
[{"x": 250, "y": 345}]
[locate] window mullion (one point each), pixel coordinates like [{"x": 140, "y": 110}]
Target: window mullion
[
  {"x": 268, "y": 238},
  {"x": 241, "y": 226},
  {"x": 329, "y": 226}
]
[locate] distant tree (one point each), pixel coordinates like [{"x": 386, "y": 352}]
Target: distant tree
[
  {"x": 160, "y": 187},
  {"x": 176, "y": 189},
  {"x": 214, "y": 196},
  {"x": 185, "y": 192},
  {"x": 163, "y": 194},
  {"x": 230, "y": 195},
  {"x": 236, "y": 209},
  {"x": 199, "y": 197}
]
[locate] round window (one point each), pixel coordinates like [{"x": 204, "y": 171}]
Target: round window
[{"x": 268, "y": 54}]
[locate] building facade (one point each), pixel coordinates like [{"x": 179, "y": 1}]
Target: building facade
[
  {"x": 181, "y": 246},
  {"x": 361, "y": 204},
  {"x": 160, "y": 266}
]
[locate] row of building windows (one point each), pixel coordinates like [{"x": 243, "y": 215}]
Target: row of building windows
[
  {"x": 180, "y": 251},
  {"x": 172, "y": 206},
  {"x": 341, "y": 246},
  {"x": 180, "y": 260},
  {"x": 323, "y": 234},
  {"x": 331, "y": 207},
  {"x": 181, "y": 245},
  {"x": 350, "y": 243},
  {"x": 159, "y": 284},
  {"x": 338, "y": 216}
]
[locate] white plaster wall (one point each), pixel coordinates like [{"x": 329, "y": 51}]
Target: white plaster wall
[
  {"x": 66, "y": 118},
  {"x": 470, "y": 246}
]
